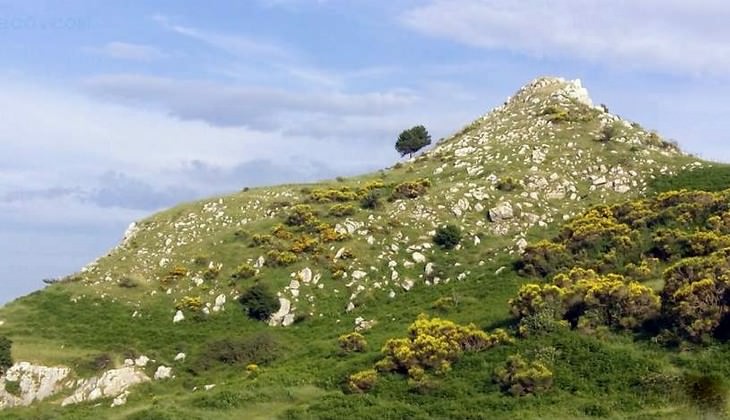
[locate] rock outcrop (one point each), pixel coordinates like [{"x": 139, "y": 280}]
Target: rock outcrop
[{"x": 35, "y": 383}]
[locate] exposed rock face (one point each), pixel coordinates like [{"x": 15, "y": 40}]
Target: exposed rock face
[
  {"x": 163, "y": 372},
  {"x": 501, "y": 212},
  {"x": 113, "y": 383},
  {"x": 283, "y": 316},
  {"x": 36, "y": 383}
]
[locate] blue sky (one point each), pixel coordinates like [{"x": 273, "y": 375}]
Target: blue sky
[{"x": 110, "y": 111}]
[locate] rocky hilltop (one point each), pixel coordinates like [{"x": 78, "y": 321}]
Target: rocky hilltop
[{"x": 354, "y": 254}]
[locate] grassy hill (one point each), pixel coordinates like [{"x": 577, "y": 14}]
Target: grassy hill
[{"x": 358, "y": 254}]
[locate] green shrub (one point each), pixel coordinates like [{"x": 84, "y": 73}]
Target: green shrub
[
  {"x": 434, "y": 344},
  {"x": 276, "y": 258},
  {"x": 608, "y": 133},
  {"x": 128, "y": 282},
  {"x": 261, "y": 240},
  {"x": 361, "y": 382},
  {"x": 519, "y": 377},
  {"x": 300, "y": 215},
  {"x": 447, "y": 237},
  {"x": 258, "y": 348},
  {"x": 586, "y": 300},
  {"x": 259, "y": 302},
  {"x": 352, "y": 343},
  {"x": 6, "y": 358},
  {"x": 190, "y": 303},
  {"x": 342, "y": 194},
  {"x": 708, "y": 392},
  {"x": 13, "y": 387},
  {"x": 244, "y": 271},
  {"x": 370, "y": 201},
  {"x": 342, "y": 210},
  {"x": 411, "y": 189},
  {"x": 507, "y": 184},
  {"x": 543, "y": 259}
]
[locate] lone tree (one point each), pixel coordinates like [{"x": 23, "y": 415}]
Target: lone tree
[{"x": 412, "y": 140}]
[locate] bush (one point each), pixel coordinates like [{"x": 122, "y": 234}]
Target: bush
[
  {"x": 191, "y": 303},
  {"x": 259, "y": 302},
  {"x": 279, "y": 231},
  {"x": 412, "y": 189},
  {"x": 519, "y": 377},
  {"x": 370, "y": 201},
  {"x": 128, "y": 282},
  {"x": 447, "y": 237},
  {"x": 544, "y": 258},
  {"x": 362, "y": 381},
  {"x": 259, "y": 348},
  {"x": 211, "y": 272},
  {"x": 342, "y": 194},
  {"x": 280, "y": 258},
  {"x": 6, "y": 358},
  {"x": 300, "y": 215},
  {"x": 507, "y": 184},
  {"x": 244, "y": 271},
  {"x": 304, "y": 244},
  {"x": 434, "y": 344},
  {"x": 707, "y": 392},
  {"x": 608, "y": 133},
  {"x": 587, "y": 300},
  {"x": 342, "y": 210},
  {"x": 352, "y": 343},
  {"x": 261, "y": 240}
]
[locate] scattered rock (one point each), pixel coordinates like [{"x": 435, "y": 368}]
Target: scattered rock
[
  {"x": 111, "y": 384},
  {"x": 179, "y": 316},
  {"x": 418, "y": 257},
  {"x": 501, "y": 212},
  {"x": 163, "y": 372}
]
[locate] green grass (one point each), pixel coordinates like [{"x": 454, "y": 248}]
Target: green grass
[
  {"x": 710, "y": 178},
  {"x": 90, "y": 315}
]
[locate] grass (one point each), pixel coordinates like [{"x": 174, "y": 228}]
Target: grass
[
  {"x": 709, "y": 178},
  {"x": 75, "y": 322}
]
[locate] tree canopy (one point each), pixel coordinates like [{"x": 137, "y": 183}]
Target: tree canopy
[{"x": 412, "y": 140}]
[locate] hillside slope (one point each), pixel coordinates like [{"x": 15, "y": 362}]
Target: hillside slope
[{"x": 351, "y": 254}]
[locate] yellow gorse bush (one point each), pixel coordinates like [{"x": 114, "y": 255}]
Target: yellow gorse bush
[{"x": 433, "y": 344}]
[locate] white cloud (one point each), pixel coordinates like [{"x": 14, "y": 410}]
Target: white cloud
[
  {"x": 263, "y": 108},
  {"x": 237, "y": 44},
  {"x": 126, "y": 51},
  {"x": 673, "y": 36}
]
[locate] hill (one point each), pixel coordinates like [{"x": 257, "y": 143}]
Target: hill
[{"x": 165, "y": 325}]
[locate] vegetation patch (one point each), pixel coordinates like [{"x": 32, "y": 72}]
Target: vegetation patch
[
  {"x": 432, "y": 345},
  {"x": 411, "y": 189},
  {"x": 447, "y": 237},
  {"x": 258, "y": 302},
  {"x": 519, "y": 377}
]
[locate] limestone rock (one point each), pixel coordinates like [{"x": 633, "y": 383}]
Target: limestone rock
[
  {"x": 284, "y": 309},
  {"x": 36, "y": 383},
  {"x": 179, "y": 316},
  {"x": 501, "y": 212},
  {"x": 418, "y": 258},
  {"x": 163, "y": 372},
  {"x": 111, "y": 384}
]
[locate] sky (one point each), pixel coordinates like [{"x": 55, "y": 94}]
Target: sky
[{"x": 110, "y": 111}]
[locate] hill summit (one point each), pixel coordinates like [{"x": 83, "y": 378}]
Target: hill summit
[{"x": 310, "y": 263}]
